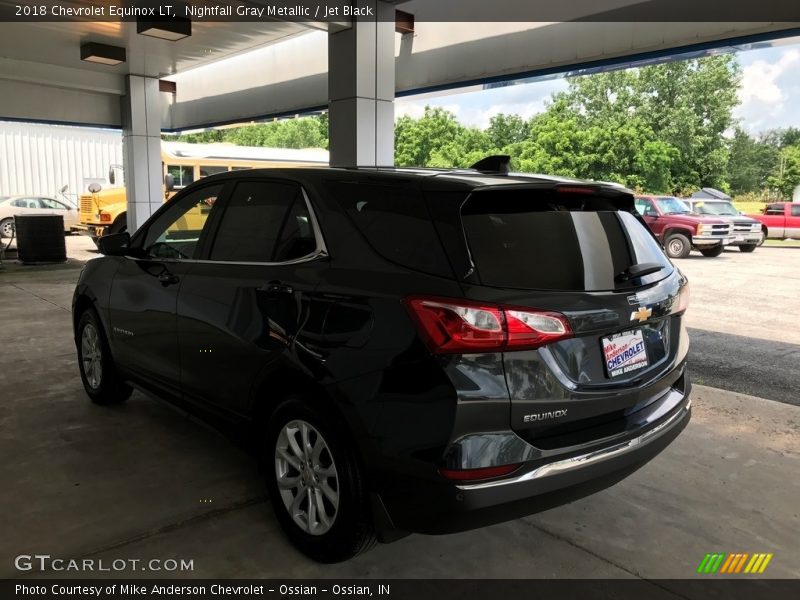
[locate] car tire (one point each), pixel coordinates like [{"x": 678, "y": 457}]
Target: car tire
[
  {"x": 677, "y": 245},
  {"x": 99, "y": 375},
  {"x": 318, "y": 494},
  {"x": 713, "y": 252},
  {"x": 7, "y": 228},
  {"x": 764, "y": 233},
  {"x": 748, "y": 247}
]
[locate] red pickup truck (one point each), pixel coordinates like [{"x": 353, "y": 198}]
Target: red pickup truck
[
  {"x": 780, "y": 220},
  {"x": 680, "y": 230}
]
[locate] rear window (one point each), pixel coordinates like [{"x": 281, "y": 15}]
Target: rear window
[
  {"x": 396, "y": 223},
  {"x": 550, "y": 241}
]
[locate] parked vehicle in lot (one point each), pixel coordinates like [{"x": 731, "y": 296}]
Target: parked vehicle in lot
[
  {"x": 746, "y": 230},
  {"x": 680, "y": 230},
  {"x": 780, "y": 220},
  {"x": 407, "y": 350},
  {"x": 33, "y": 205}
]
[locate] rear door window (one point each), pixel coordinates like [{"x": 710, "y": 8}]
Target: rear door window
[
  {"x": 395, "y": 221},
  {"x": 536, "y": 240},
  {"x": 265, "y": 222}
]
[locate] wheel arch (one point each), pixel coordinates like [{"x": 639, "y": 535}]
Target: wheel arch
[
  {"x": 281, "y": 383},
  {"x": 82, "y": 303},
  {"x": 681, "y": 230}
]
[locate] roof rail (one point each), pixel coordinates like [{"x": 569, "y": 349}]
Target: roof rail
[{"x": 497, "y": 164}]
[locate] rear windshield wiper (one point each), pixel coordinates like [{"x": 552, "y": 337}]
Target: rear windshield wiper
[{"x": 639, "y": 270}]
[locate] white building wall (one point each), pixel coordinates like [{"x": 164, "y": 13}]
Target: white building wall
[{"x": 41, "y": 159}]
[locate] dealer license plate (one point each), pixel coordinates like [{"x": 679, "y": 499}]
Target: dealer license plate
[{"x": 624, "y": 352}]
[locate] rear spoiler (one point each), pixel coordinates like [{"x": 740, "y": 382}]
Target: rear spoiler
[{"x": 497, "y": 164}]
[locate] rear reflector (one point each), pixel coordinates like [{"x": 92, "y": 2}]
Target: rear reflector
[
  {"x": 474, "y": 474},
  {"x": 465, "y": 327}
]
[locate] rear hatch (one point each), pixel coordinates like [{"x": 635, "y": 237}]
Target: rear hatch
[{"x": 583, "y": 253}]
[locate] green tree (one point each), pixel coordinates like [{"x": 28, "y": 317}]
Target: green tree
[
  {"x": 786, "y": 175},
  {"x": 751, "y": 162},
  {"x": 687, "y": 105},
  {"x": 505, "y": 130},
  {"x": 306, "y": 132},
  {"x": 415, "y": 140}
]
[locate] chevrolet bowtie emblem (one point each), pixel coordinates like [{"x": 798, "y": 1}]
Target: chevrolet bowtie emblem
[{"x": 642, "y": 314}]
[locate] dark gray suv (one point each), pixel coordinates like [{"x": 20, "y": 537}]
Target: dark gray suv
[{"x": 404, "y": 350}]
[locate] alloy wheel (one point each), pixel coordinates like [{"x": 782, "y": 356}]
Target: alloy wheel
[
  {"x": 306, "y": 475},
  {"x": 92, "y": 356},
  {"x": 7, "y": 228}
]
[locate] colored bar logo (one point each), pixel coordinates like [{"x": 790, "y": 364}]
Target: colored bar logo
[{"x": 741, "y": 562}]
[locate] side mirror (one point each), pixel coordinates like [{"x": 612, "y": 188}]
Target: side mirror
[
  {"x": 112, "y": 176},
  {"x": 114, "y": 244},
  {"x": 95, "y": 187},
  {"x": 63, "y": 189},
  {"x": 169, "y": 182}
]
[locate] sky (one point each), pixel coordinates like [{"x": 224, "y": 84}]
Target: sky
[{"x": 769, "y": 94}]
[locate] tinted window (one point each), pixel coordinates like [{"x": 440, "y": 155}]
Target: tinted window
[
  {"x": 176, "y": 232},
  {"x": 206, "y": 170},
  {"x": 396, "y": 223},
  {"x": 264, "y": 222},
  {"x": 518, "y": 241},
  {"x": 796, "y": 211}
]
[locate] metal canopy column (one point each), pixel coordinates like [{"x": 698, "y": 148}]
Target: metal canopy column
[
  {"x": 141, "y": 148},
  {"x": 361, "y": 90}
]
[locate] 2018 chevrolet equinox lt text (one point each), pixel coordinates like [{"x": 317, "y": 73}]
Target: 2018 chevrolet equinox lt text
[{"x": 405, "y": 350}]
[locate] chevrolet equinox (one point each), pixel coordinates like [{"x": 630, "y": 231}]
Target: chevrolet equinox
[{"x": 404, "y": 350}]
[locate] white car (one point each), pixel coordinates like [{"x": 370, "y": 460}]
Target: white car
[{"x": 33, "y": 205}]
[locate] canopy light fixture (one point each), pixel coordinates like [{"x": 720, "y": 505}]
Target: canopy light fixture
[
  {"x": 171, "y": 29},
  {"x": 102, "y": 54}
]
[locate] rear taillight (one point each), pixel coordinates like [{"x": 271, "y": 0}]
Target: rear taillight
[
  {"x": 464, "y": 327},
  {"x": 682, "y": 302},
  {"x": 476, "y": 474}
]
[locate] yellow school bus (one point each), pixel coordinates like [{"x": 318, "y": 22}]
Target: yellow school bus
[{"x": 103, "y": 210}]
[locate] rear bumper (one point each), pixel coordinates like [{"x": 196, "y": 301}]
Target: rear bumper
[{"x": 436, "y": 508}]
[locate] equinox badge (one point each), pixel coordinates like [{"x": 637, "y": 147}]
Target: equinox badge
[{"x": 553, "y": 414}]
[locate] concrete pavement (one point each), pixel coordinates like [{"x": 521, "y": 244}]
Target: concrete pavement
[
  {"x": 743, "y": 321},
  {"x": 143, "y": 481}
]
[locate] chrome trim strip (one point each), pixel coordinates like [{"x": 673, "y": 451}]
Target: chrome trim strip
[{"x": 583, "y": 460}]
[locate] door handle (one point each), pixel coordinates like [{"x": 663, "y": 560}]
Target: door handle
[
  {"x": 166, "y": 278},
  {"x": 276, "y": 287}
]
